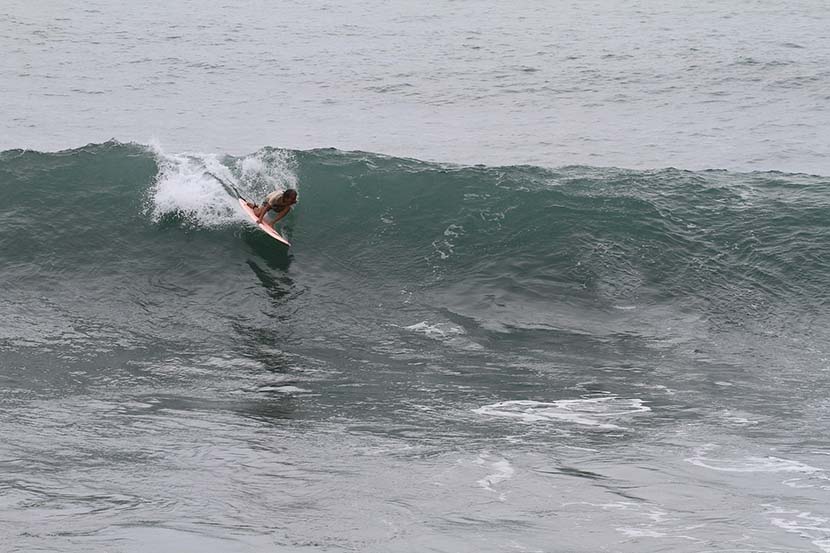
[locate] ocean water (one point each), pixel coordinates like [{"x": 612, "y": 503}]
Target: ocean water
[
  {"x": 558, "y": 282},
  {"x": 740, "y": 85}
]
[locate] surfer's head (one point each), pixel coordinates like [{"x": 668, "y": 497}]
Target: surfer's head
[{"x": 290, "y": 196}]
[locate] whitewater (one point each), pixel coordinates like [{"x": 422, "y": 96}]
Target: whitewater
[{"x": 558, "y": 278}]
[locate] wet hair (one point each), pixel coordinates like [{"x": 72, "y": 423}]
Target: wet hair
[{"x": 290, "y": 193}]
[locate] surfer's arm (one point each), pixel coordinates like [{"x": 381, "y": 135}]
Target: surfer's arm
[
  {"x": 265, "y": 209},
  {"x": 282, "y": 214}
]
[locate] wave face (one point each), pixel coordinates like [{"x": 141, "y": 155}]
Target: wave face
[{"x": 511, "y": 247}]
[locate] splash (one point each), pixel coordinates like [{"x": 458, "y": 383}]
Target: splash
[{"x": 185, "y": 185}]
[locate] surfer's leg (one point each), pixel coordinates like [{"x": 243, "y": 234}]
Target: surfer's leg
[
  {"x": 258, "y": 211},
  {"x": 269, "y": 218}
]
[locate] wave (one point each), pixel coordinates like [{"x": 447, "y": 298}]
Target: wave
[{"x": 516, "y": 242}]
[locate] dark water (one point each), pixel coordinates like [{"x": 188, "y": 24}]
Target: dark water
[{"x": 449, "y": 358}]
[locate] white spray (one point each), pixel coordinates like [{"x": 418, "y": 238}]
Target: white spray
[{"x": 185, "y": 187}]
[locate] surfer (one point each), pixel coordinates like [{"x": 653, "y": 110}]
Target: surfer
[{"x": 278, "y": 202}]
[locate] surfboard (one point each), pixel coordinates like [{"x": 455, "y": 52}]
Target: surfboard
[{"x": 268, "y": 229}]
